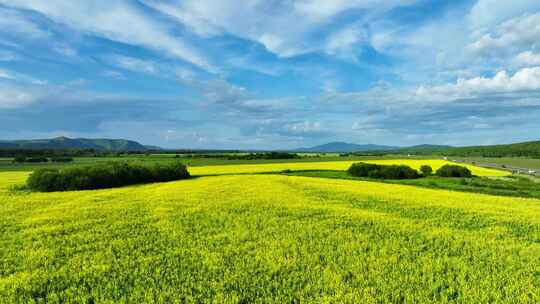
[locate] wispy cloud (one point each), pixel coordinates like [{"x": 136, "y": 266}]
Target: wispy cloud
[
  {"x": 133, "y": 64},
  {"x": 269, "y": 23},
  {"x": 13, "y": 22},
  {"x": 7, "y": 56},
  {"x": 118, "y": 21}
]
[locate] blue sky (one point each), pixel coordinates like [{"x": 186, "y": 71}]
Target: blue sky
[{"x": 270, "y": 74}]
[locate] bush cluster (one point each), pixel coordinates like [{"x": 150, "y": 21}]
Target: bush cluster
[
  {"x": 62, "y": 159},
  {"x": 40, "y": 159},
  {"x": 426, "y": 170},
  {"x": 453, "y": 171},
  {"x": 23, "y": 159},
  {"x": 267, "y": 155},
  {"x": 383, "y": 171},
  {"x": 108, "y": 175}
]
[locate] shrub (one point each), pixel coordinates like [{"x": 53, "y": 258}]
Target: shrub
[
  {"x": 62, "y": 159},
  {"x": 23, "y": 159},
  {"x": 375, "y": 174},
  {"x": 453, "y": 171},
  {"x": 108, "y": 175},
  {"x": 426, "y": 170},
  {"x": 37, "y": 160},
  {"x": 399, "y": 172},
  {"x": 362, "y": 169},
  {"x": 267, "y": 155},
  {"x": 382, "y": 171},
  {"x": 19, "y": 159}
]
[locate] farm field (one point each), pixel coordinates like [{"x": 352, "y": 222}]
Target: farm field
[
  {"x": 512, "y": 185},
  {"x": 6, "y": 164},
  {"x": 532, "y": 163},
  {"x": 282, "y": 151},
  {"x": 267, "y": 238},
  {"x": 330, "y": 165}
]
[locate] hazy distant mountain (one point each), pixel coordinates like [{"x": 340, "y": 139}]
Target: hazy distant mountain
[
  {"x": 75, "y": 143},
  {"x": 346, "y": 147},
  {"x": 153, "y": 147},
  {"x": 427, "y": 147},
  {"x": 7, "y": 145}
]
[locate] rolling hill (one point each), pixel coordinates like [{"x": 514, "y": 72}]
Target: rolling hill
[
  {"x": 74, "y": 143},
  {"x": 522, "y": 149},
  {"x": 345, "y": 147}
]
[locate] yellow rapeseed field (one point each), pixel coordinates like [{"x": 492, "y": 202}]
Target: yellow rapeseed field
[
  {"x": 266, "y": 238},
  {"x": 334, "y": 165},
  {"x": 257, "y": 229}
]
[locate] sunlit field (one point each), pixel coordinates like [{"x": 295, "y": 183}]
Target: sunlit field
[
  {"x": 334, "y": 165},
  {"x": 267, "y": 238}
]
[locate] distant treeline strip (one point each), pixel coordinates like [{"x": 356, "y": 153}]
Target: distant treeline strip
[
  {"x": 249, "y": 156},
  {"x": 526, "y": 149}
]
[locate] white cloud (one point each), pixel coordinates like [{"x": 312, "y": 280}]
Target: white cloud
[
  {"x": 134, "y": 64},
  {"x": 264, "y": 104},
  {"x": 13, "y": 22},
  {"x": 526, "y": 79},
  {"x": 515, "y": 34},
  {"x": 342, "y": 43},
  {"x": 115, "y": 20},
  {"x": 304, "y": 128},
  {"x": 220, "y": 91},
  {"x": 5, "y": 74},
  {"x": 321, "y": 10},
  {"x": 19, "y": 77},
  {"x": 65, "y": 50},
  {"x": 523, "y": 88},
  {"x": 428, "y": 52},
  {"x": 246, "y": 63},
  {"x": 528, "y": 59},
  {"x": 284, "y": 28},
  {"x": 14, "y": 97},
  {"x": 487, "y": 13}
]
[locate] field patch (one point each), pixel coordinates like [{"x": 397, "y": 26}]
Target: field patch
[
  {"x": 334, "y": 165},
  {"x": 268, "y": 238}
]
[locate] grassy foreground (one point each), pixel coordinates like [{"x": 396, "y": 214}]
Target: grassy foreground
[
  {"x": 267, "y": 238},
  {"x": 516, "y": 186}
]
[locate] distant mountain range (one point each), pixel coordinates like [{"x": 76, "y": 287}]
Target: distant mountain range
[
  {"x": 346, "y": 147},
  {"x": 523, "y": 149},
  {"x": 343, "y": 147},
  {"x": 76, "y": 143}
]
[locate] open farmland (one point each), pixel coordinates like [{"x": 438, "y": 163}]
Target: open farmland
[
  {"x": 7, "y": 164},
  {"x": 267, "y": 238},
  {"x": 519, "y": 162},
  {"x": 333, "y": 165}
]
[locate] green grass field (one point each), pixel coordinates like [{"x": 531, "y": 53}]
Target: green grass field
[
  {"x": 252, "y": 238},
  {"x": 519, "y": 186}
]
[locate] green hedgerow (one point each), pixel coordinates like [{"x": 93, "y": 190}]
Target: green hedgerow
[
  {"x": 382, "y": 171},
  {"x": 100, "y": 176},
  {"x": 453, "y": 171}
]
